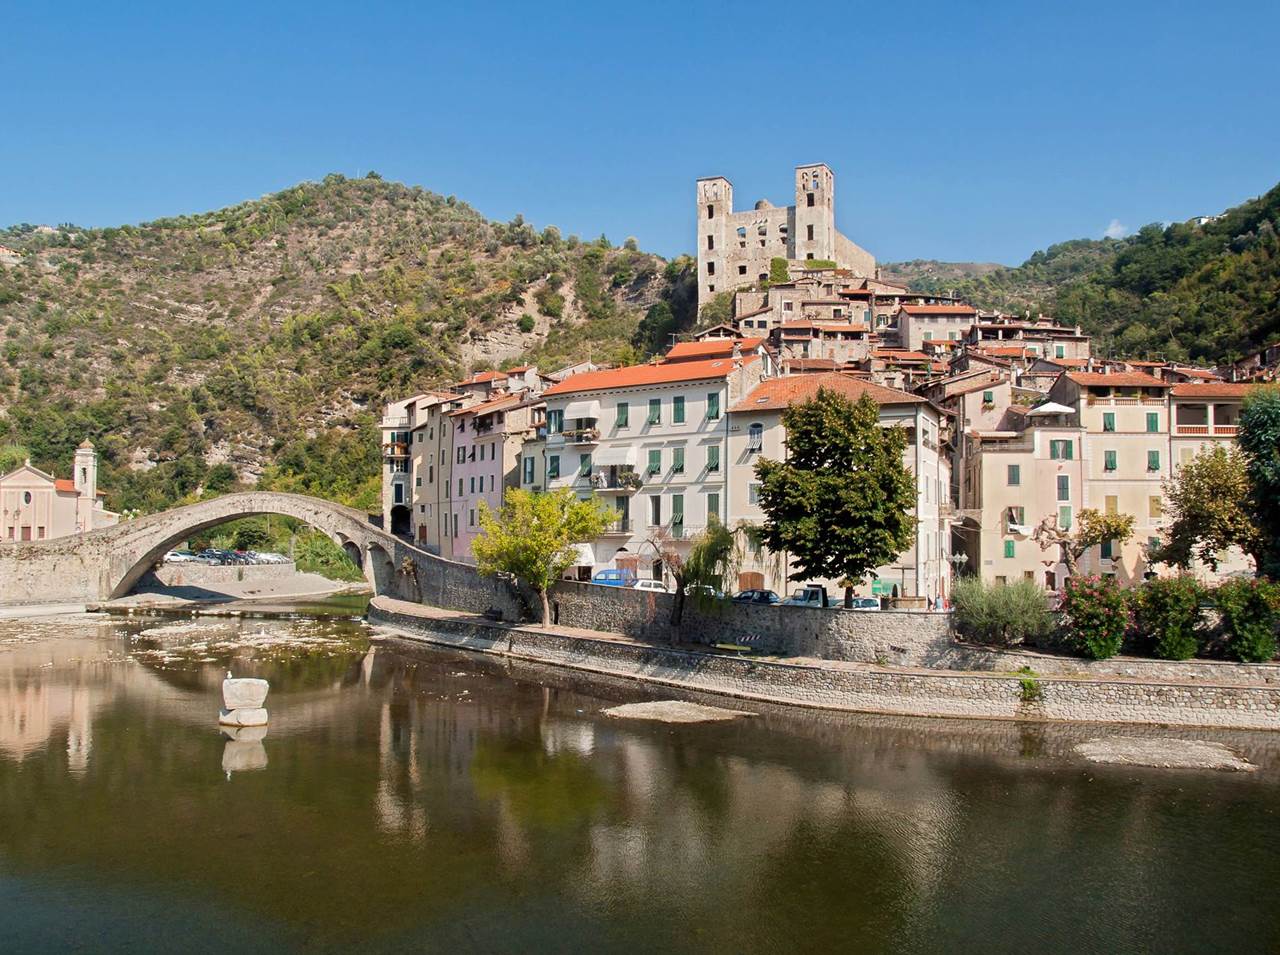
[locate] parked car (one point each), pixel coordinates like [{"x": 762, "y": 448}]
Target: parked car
[
  {"x": 180, "y": 557},
  {"x": 756, "y": 597},
  {"x": 706, "y": 590},
  {"x": 812, "y": 595},
  {"x": 656, "y": 586},
  {"x": 866, "y": 603},
  {"x": 615, "y": 578}
]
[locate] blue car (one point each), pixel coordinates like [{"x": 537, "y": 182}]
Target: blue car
[{"x": 614, "y": 578}]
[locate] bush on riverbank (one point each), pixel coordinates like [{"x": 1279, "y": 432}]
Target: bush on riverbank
[
  {"x": 1000, "y": 614},
  {"x": 1095, "y": 616},
  {"x": 1167, "y": 617},
  {"x": 1250, "y": 611}
]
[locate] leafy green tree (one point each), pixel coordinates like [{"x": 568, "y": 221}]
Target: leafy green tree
[
  {"x": 1259, "y": 439},
  {"x": 533, "y": 537},
  {"x": 654, "y": 331},
  {"x": 840, "y": 504},
  {"x": 1208, "y": 506},
  {"x": 1092, "y": 529},
  {"x": 12, "y": 456},
  {"x": 1167, "y": 616},
  {"x": 1250, "y": 610},
  {"x": 1000, "y": 614},
  {"x": 779, "y": 271}
]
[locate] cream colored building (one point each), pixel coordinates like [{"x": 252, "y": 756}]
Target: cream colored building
[
  {"x": 37, "y": 506},
  {"x": 917, "y": 324},
  {"x": 756, "y": 431}
]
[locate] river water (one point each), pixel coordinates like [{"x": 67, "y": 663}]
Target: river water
[{"x": 412, "y": 799}]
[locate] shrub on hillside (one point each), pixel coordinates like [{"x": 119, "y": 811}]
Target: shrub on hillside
[
  {"x": 1250, "y": 611},
  {"x": 1167, "y": 616},
  {"x": 1000, "y": 614},
  {"x": 1095, "y": 616}
]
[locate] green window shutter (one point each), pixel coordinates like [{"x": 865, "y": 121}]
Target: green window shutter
[
  {"x": 1108, "y": 421},
  {"x": 624, "y": 415},
  {"x": 655, "y": 411},
  {"x": 1064, "y": 487},
  {"x": 1109, "y": 460},
  {"x": 713, "y": 406},
  {"x": 677, "y": 409},
  {"x": 677, "y": 460},
  {"x": 655, "y": 461},
  {"x": 713, "y": 457},
  {"x": 553, "y": 466},
  {"x": 1068, "y": 450},
  {"x": 584, "y": 465},
  {"x": 988, "y": 397},
  {"x": 713, "y": 507},
  {"x": 1015, "y": 475},
  {"x": 1008, "y": 548},
  {"x": 1105, "y": 550},
  {"x": 1153, "y": 422},
  {"x": 677, "y": 508},
  {"x": 1153, "y": 460},
  {"x": 1064, "y": 518},
  {"x": 1060, "y": 351}
]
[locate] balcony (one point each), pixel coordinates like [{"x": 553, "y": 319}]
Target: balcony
[
  {"x": 1192, "y": 429},
  {"x": 621, "y": 480},
  {"x": 581, "y": 436},
  {"x": 621, "y": 527},
  {"x": 395, "y": 449},
  {"x": 395, "y": 421}
]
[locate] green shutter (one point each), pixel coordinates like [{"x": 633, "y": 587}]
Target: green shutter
[
  {"x": 677, "y": 409},
  {"x": 1064, "y": 518},
  {"x": 553, "y": 466},
  {"x": 1064, "y": 487},
  {"x": 1105, "y": 550},
  {"x": 655, "y": 411},
  {"x": 655, "y": 461},
  {"x": 713, "y": 406},
  {"x": 624, "y": 415},
  {"x": 1109, "y": 460},
  {"x": 713, "y": 507},
  {"x": 1108, "y": 421},
  {"x": 1153, "y": 422},
  {"x": 713, "y": 457},
  {"x": 1153, "y": 460},
  {"x": 1008, "y": 548},
  {"x": 1015, "y": 475},
  {"x": 677, "y": 460}
]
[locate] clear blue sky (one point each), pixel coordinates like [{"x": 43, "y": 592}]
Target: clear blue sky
[{"x": 975, "y": 131}]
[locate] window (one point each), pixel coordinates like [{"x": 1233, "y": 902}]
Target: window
[
  {"x": 420, "y": 436},
  {"x": 555, "y": 421},
  {"x": 677, "y": 460},
  {"x": 584, "y": 465},
  {"x": 1064, "y": 487},
  {"x": 1153, "y": 543},
  {"x": 742, "y": 270},
  {"x": 655, "y": 510},
  {"x": 462, "y": 455},
  {"x": 471, "y": 517},
  {"x": 808, "y": 232},
  {"x": 459, "y": 487},
  {"x": 711, "y": 268},
  {"x": 1060, "y": 351},
  {"x": 1014, "y": 478},
  {"x": 1104, "y": 550},
  {"x": 1108, "y": 421},
  {"x": 1018, "y": 515},
  {"x": 786, "y": 306},
  {"x": 1155, "y": 506},
  {"x": 1153, "y": 422},
  {"x": 455, "y": 525},
  {"x": 1062, "y": 450},
  {"x": 753, "y": 493},
  {"x": 1153, "y": 460},
  {"x": 490, "y": 482},
  {"x": 1064, "y": 518},
  {"x": 711, "y": 242},
  {"x": 713, "y": 406},
  {"x": 655, "y": 411},
  {"x": 1008, "y": 548},
  {"x": 553, "y": 466},
  {"x": 399, "y": 494},
  {"x": 655, "y": 461},
  {"x": 623, "y": 420},
  {"x": 988, "y": 397},
  {"x": 1108, "y": 460},
  {"x": 755, "y": 437},
  {"x": 677, "y": 409},
  {"x": 431, "y": 474},
  {"x": 528, "y": 470},
  {"x": 417, "y": 482},
  {"x": 713, "y": 457},
  {"x": 1111, "y": 504},
  {"x": 677, "y": 513},
  {"x": 713, "y": 507},
  {"x": 473, "y": 484},
  {"x": 809, "y": 199}
]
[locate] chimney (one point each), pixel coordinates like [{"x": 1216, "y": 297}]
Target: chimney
[{"x": 737, "y": 350}]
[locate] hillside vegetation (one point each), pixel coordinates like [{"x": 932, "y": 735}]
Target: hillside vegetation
[
  {"x": 258, "y": 342},
  {"x": 1206, "y": 292}
]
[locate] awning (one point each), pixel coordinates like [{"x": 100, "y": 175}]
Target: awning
[
  {"x": 616, "y": 455},
  {"x": 586, "y": 556},
  {"x": 1051, "y": 407},
  {"x": 581, "y": 409}
]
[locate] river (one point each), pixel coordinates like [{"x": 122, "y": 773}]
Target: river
[{"x": 408, "y": 798}]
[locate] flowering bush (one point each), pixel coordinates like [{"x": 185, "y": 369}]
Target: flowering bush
[
  {"x": 1095, "y": 616},
  {"x": 1250, "y": 610},
  {"x": 1167, "y": 616}
]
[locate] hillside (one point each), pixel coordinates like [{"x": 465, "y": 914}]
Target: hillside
[
  {"x": 258, "y": 342},
  {"x": 1204, "y": 291}
]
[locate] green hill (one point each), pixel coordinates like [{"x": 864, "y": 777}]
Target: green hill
[{"x": 259, "y": 341}]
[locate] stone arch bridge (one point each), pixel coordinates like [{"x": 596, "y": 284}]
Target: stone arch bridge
[{"x": 108, "y": 562}]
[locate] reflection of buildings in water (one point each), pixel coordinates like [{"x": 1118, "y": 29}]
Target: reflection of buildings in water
[
  {"x": 568, "y": 736},
  {"x": 398, "y": 800}
]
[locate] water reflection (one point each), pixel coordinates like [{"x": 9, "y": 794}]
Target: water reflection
[{"x": 418, "y": 799}]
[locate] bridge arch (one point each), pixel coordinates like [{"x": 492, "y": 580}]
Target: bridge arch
[{"x": 135, "y": 547}]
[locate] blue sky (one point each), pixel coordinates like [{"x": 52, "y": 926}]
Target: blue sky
[{"x": 957, "y": 131}]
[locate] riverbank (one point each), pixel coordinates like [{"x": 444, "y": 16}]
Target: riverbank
[
  {"x": 291, "y": 587},
  {"x": 842, "y": 685}
]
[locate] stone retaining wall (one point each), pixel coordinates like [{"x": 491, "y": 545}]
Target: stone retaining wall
[
  {"x": 211, "y": 575},
  {"x": 868, "y": 688}
]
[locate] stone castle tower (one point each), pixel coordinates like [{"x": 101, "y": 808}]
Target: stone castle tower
[{"x": 735, "y": 248}]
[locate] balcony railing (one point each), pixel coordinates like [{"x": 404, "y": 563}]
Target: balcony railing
[
  {"x": 621, "y": 481},
  {"x": 395, "y": 449},
  {"x": 1226, "y": 429},
  {"x": 581, "y": 435},
  {"x": 1124, "y": 400},
  {"x": 1192, "y": 428},
  {"x": 622, "y": 525},
  {"x": 401, "y": 421}
]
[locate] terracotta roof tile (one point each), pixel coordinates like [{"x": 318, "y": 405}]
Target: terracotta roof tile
[
  {"x": 939, "y": 310},
  {"x": 711, "y": 348},
  {"x": 778, "y": 393},
  {"x": 1211, "y": 389},
  {"x": 1118, "y": 379},
  {"x": 632, "y": 376}
]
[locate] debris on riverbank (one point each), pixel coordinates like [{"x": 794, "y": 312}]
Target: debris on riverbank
[
  {"x": 674, "y": 711},
  {"x": 1164, "y": 754}
]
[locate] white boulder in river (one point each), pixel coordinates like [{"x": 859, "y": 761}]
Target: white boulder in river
[{"x": 243, "y": 699}]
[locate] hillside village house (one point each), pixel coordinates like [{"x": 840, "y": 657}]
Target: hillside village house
[
  {"x": 37, "y": 506},
  {"x": 756, "y": 431},
  {"x": 918, "y": 324},
  {"x": 650, "y": 441}
]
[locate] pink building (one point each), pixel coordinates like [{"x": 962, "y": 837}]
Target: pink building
[{"x": 37, "y": 506}]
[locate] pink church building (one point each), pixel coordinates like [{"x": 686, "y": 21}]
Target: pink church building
[{"x": 36, "y": 506}]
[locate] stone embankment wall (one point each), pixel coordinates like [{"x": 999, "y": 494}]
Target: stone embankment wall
[
  {"x": 207, "y": 575},
  {"x": 860, "y": 687}
]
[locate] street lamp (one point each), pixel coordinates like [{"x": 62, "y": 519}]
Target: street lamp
[{"x": 957, "y": 561}]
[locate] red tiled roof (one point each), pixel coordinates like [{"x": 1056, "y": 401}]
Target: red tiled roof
[
  {"x": 1003, "y": 350},
  {"x": 889, "y": 354},
  {"x": 1067, "y": 362},
  {"x": 939, "y": 310},
  {"x": 1212, "y": 389},
  {"x": 711, "y": 348},
  {"x": 825, "y": 326},
  {"x": 481, "y": 377},
  {"x": 63, "y": 484},
  {"x": 778, "y": 393},
  {"x": 632, "y": 376},
  {"x": 493, "y": 404},
  {"x": 809, "y": 364},
  {"x": 1118, "y": 379}
]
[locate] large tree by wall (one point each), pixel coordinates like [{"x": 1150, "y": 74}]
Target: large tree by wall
[
  {"x": 534, "y": 537},
  {"x": 1207, "y": 503},
  {"x": 841, "y": 502},
  {"x": 1259, "y": 439}
]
